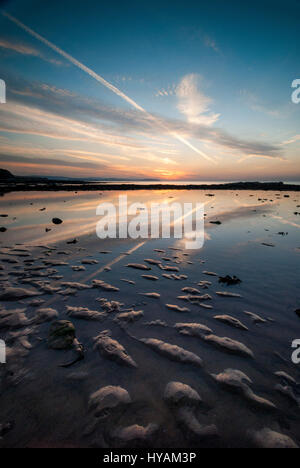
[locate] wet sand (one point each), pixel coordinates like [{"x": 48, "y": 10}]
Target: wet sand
[{"x": 228, "y": 346}]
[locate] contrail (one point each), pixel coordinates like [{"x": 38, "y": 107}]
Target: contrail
[{"x": 105, "y": 83}]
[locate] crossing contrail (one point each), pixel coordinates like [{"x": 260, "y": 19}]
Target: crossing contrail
[{"x": 105, "y": 83}]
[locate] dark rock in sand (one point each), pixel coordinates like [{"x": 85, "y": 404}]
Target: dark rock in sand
[
  {"x": 3, "y": 229},
  {"x": 56, "y": 221},
  {"x": 229, "y": 280},
  {"x": 74, "y": 241},
  {"x": 61, "y": 334}
]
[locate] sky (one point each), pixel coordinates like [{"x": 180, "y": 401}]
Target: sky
[{"x": 170, "y": 90}]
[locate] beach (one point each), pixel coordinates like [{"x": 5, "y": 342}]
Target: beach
[{"x": 169, "y": 347}]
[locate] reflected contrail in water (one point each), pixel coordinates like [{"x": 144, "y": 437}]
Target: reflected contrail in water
[{"x": 105, "y": 83}]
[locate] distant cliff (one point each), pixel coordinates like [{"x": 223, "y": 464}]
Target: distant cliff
[{"x": 4, "y": 174}]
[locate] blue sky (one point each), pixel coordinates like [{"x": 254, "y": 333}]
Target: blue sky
[{"x": 213, "y": 80}]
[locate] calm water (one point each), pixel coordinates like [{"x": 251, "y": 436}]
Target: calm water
[{"x": 49, "y": 409}]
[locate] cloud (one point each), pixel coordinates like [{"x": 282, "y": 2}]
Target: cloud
[
  {"x": 291, "y": 140},
  {"x": 43, "y": 110},
  {"x": 254, "y": 103},
  {"x": 24, "y": 49},
  {"x": 211, "y": 43},
  {"x": 193, "y": 103}
]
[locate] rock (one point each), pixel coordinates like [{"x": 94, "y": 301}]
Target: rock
[
  {"x": 172, "y": 352},
  {"x": 35, "y": 302},
  {"x": 158, "y": 322},
  {"x": 209, "y": 273},
  {"x": 109, "y": 306},
  {"x": 78, "y": 268},
  {"x": 238, "y": 382},
  {"x": 112, "y": 349},
  {"x": 74, "y": 285},
  {"x": 266, "y": 438},
  {"x": 135, "y": 435},
  {"x": 13, "y": 318},
  {"x": 130, "y": 316},
  {"x": 56, "y": 221},
  {"x": 297, "y": 312},
  {"x": 234, "y": 322},
  {"x": 154, "y": 295},
  {"x": 150, "y": 277},
  {"x": 85, "y": 313},
  {"x": 176, "y": 308},
  {"x": 191, "y": 426},
  {"x": 288, "y": 391},
  {"x": 152, "y": 262},
  {"x": 14, "y": 294},
  {"x": 229, "y": 280},
  {"x": 74, "y": 241},
  {"x": 215, "y": 222},
  {"x": 45, "y": 315},
  {"x": 102, "y": 285},
  {"x": 3, "y": 229},
  {"x": 192, "y": 329},
  {"x": 177, "y": 393},
  {"x": 89, "y": 261},
  {"x": 190, "y": 290},
  {"x": 106, "y": 399},
  {"x": 168, "y": 267},
  {"x": 5, "y": 428},
  {"x": 256, "y": 318},
  {"x": 127, "y": 281},
  {"x": 229, "y": 345},
  {"x": 138, "y": 266},
  {"x": 61, "y": 334},
  {"x": 285, "y": 376},
  {"x": 227, "y": 294}
]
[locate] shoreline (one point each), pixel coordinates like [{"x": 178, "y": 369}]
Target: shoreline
[{"x": 14, "y": 186}]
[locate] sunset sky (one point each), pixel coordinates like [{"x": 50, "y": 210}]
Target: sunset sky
[{"x": 187, "y": 90}]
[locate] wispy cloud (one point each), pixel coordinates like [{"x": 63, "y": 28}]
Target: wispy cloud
[
  {"x": 43, "y": 110},
  {"x": 292, "y": 140},
  {"x": 24, "y": 49},
  {"x": 193, "y": 103},
  {"x": 211, "y": 43},
  {"x": 255, "y": 104},
  {"x": 152, "y": 119}
]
